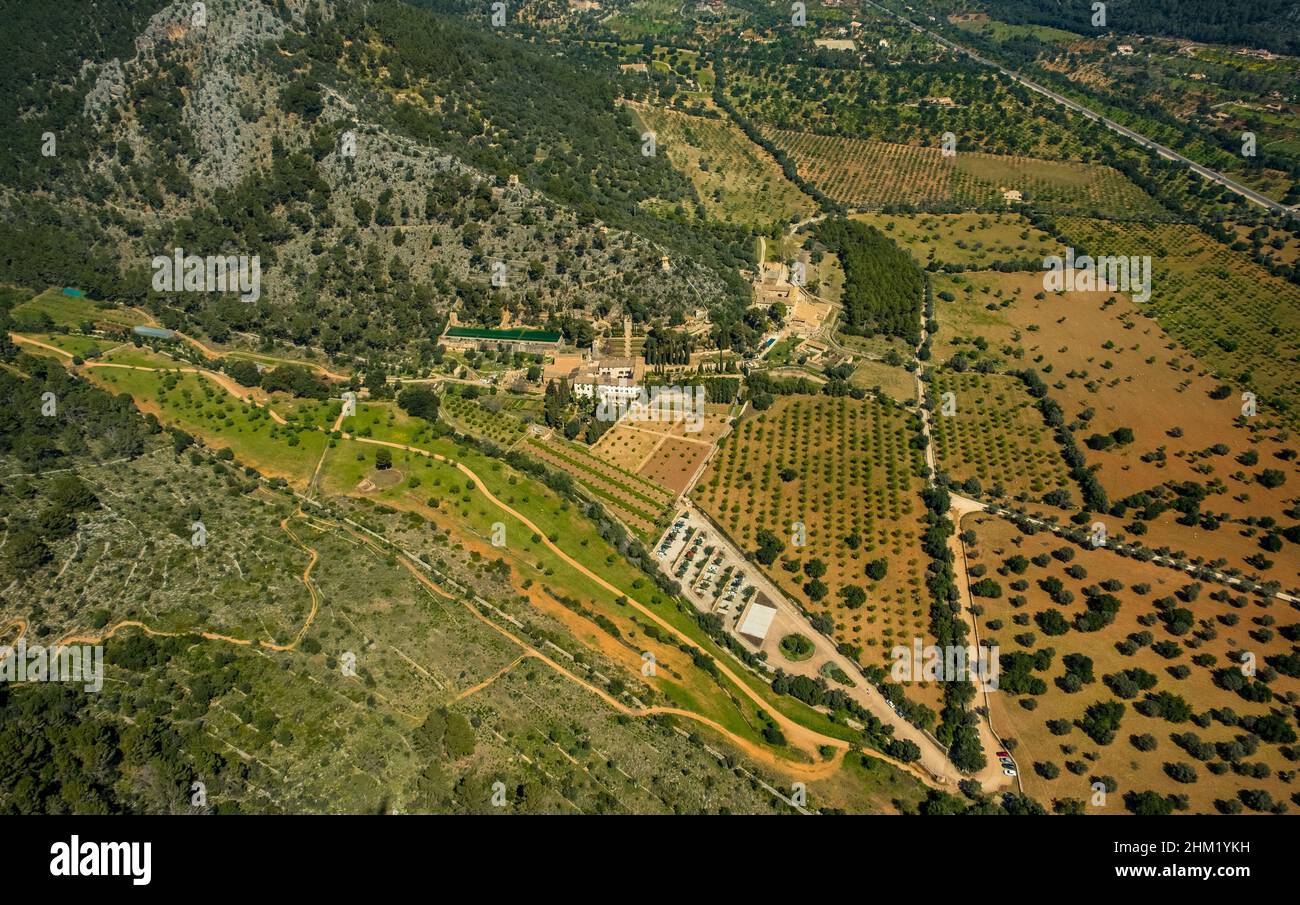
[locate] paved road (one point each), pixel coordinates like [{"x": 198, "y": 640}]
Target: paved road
[
  {"x": 934, "y": 760},
  {"x": 1162, "y": 150}
]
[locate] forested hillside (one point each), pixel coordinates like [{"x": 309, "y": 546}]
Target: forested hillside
[
  {"x": 42, "y": 83},
  {"x": 474, "y": 151}
]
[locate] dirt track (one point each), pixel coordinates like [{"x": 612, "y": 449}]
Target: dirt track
[
  {"x": 798, "y": 735},
  {"x": 810, "y": 771},
  {"x": 214, "y": 636}
]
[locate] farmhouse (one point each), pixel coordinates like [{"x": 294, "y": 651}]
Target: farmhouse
[
  {"x": 608, "y": 379},
  {"x": 606, "y": 389},
  {"x": 757, "y": 619},
  {"x": 622, "y": 368},
  {"x": 773, "y": 283}
]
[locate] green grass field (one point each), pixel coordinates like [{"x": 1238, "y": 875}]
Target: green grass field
[
  {"x": 73, "y": 311},
  {"x": 197, "y": 406},
  {"x": 444, "y": 495},
  {"x": 74, "y": 343},
  {"x": 972, "y": 240}
]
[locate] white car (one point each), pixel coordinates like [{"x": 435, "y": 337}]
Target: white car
[{"x": 1009, "y": 771}]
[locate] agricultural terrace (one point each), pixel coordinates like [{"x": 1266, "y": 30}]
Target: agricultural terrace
[
  {"x": 1123, "y": 672},
  {"x": 1145, "y": 412},
  {"x": 869, "y": 175},
  {"x": 422, "y": 651},
  {"x": 137, "y": 549},
  {"x": 634, "y": 500},
  {"x": 666, "y": 455},
  {"x": 996, "y": 444},
  {"x": 440, "y": 492},
  {"x": 419, "y": 652},
  {"x": 965, "y": 240},
  {"x": 482, "y": 417},
  {"x": 737, "y": 182},
  {"x": 847, "y": 470},
  {"x": 538, "y": 714},
  {"x": 1237, "y": 318},
  {"x": 371, "y": 601}
]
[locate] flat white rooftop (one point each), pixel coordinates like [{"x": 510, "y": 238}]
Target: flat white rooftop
[{"x": 757, "y": 621}]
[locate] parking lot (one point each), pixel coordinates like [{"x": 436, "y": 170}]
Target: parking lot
[{"x": 712, "y": 576}]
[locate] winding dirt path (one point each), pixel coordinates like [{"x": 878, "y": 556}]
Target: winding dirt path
[
  {"x": 242, "y": 393},
  {"x": 801, "y": 736},
  {"x": 992, "y": 776},
  {"x": 88, "y": 638},
  {"x": 22, "y": 631},
  {"x": 809, "y": 771},
  {"x": 210, "y": 354},
  {"x": 27, "y": 340}
]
